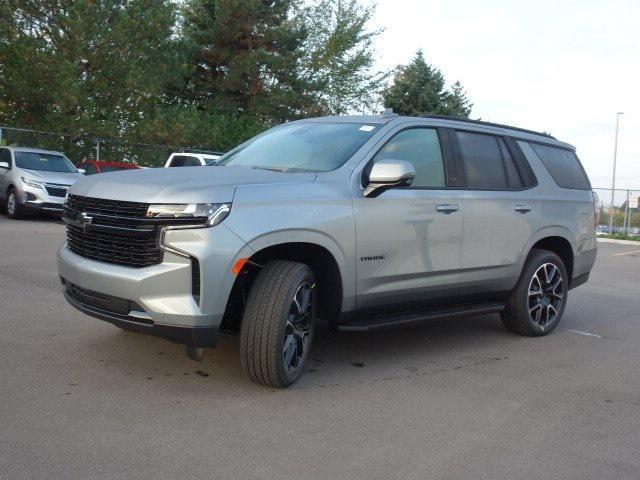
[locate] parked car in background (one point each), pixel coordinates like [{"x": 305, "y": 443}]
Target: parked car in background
[
  {"x": 192, "y": 158},
  {"x": 603, "y": 230},
  {"x": 364, "y": 222},
  {"x": 33, "y": 180},
  {"x": 92, "y": 167}
]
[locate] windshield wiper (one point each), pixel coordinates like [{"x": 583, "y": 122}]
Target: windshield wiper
[{"x": 272, "y": 169}]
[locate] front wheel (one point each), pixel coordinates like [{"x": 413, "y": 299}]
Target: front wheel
[
  {"x": 14, "y": 210},
  {"x": 538, "y": 301},
  {"x": 278, "y": 323}
]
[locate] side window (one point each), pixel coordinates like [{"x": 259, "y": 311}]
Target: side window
[
  {"x": 178, "y": 161},
  {"x": 89, "y": 168},
  {"x": 184, "y": 161},
  {"x": 514, "y": 180},
  {"x": 482, "y": 161},
  {"x": 421, "y": 147},
  {"x": 563, "y": 165},
  {"x": 5, "y": 156}
]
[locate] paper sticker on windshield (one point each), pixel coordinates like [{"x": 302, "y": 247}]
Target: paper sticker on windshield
[{"x": 366, "y": 128}]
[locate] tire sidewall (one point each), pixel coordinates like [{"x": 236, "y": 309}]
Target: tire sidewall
[
  {"x": 16, "y": 210},
  {"x": 305, "y": 275},
  {"x": 540, "y": 257}
]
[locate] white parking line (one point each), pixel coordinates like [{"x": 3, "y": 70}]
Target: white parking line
[
  {"x": 583, "y": 333},
  {"x": 625, "y": 253}
]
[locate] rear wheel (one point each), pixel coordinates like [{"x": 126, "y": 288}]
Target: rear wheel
[
  {"x": 538, "y": 301},
  {"x": 14, "y": 210},
  {"x": 278, "y": 323}
]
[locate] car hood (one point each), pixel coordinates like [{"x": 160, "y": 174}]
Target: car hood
[
  {"x": 62, "y": 178},
  {"x": 180, "y": 185}
]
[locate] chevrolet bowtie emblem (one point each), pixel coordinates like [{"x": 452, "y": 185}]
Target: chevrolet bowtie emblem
[{"x": 84, "y": 219}]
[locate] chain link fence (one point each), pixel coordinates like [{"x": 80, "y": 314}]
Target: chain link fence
[
  {"x": 86, "y": 147},
  {"x": 619, "y": 213}
]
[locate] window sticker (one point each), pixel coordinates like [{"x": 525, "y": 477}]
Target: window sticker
[{"x": 366, "y": 128}]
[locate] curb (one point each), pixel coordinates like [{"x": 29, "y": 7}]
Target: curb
[{"x": 621, "y": 242}]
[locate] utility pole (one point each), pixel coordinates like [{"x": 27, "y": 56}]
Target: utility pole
[{"x": 613, "y": 181}]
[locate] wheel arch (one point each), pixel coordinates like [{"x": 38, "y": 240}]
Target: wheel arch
[
  {"x": 327, "y": 266},
  {"x": 558, "y": 241}
]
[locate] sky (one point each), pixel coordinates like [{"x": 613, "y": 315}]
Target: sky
[{"x": 564, "y": 67}]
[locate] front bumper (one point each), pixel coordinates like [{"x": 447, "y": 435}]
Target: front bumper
[
  {"x": 159, "y": 299},
  {"x": 39, "y": 200},
  {"x": 205, "y": 336}
]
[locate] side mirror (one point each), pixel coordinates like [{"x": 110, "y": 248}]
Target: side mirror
[
  {"x": 5, "y": 165},
  {"x": 387, "y": 174},
  {"x": 82, "y": 171}
]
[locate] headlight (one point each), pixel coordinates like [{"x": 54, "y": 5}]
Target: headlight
[
  {"x": 208, "y": 213},
  {"x": 33, "y": 183}
]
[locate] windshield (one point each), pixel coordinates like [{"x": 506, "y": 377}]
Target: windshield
[
  {"x": 49, "y": 162},
  {"x": 302, "y": 147}
]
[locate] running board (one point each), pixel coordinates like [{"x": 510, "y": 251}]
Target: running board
[{"x": 378, "y": 321}]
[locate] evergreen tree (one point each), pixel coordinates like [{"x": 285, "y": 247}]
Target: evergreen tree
[
  {"x": 76, "y": 66},
  {"x": 419, "y": 88},
  {"x": 456, "y": 102},
  {"x": 246, "y": 52}
]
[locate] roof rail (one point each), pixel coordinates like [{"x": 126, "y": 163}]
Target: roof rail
[{"x": 488, "y": 124}]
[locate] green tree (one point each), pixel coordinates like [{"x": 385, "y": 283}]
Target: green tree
[
  {"x": 281, "y": 59},
  {"x": 419, "y": 88},
  {"x": 338, "y": 56},
  {"x": 246, "y": 53},
  {"x": 80, "y": 66}
]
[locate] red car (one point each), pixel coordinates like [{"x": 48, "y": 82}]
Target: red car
[{"x": 99, "y": 166}]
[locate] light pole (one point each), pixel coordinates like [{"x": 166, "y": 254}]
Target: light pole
[{"x": 613, "y": 181}]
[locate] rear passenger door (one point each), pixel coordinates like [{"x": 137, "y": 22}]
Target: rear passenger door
[{"x": 500, "y": 210}]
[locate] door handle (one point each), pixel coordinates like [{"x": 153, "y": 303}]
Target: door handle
[
  {"x": 446, "y": 208},
  {"x": 523, "y": 208}
]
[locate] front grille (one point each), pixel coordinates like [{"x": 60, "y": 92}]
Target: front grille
[
  {"x": 56, "y": 190},
  {"x": 107, "y": 207},
  {"x": 118, "y": 233}
]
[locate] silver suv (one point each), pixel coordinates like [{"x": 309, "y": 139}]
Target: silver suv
[
  {"x": 363, "y": 222},
  {"x": 33, "y": 180}
]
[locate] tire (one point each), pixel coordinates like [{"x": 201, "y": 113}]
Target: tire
[
  {"x": 14, "y": 209},
  {"x": 538, "y": 301},
  {"x": 276, "y": 331}
]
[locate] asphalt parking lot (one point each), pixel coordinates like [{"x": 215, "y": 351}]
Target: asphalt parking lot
[{"x": 449, "y": 399}]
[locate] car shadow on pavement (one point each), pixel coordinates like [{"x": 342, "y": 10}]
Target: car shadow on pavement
[{"x": 335, "y": 359}]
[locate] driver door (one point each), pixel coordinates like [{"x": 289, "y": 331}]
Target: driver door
[{"x": 408, "y": 239}]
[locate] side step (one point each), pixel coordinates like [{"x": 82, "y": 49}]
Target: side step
[{"x": 378, "y": 321}]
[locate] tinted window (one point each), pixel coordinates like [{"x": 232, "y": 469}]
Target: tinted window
[
  {"x": 563, "y": 166},
  {"x": 421, "y": 147},
  {"x": 513, "y": 176},
  {"x": 185, "y": 161},
  {"x": 5, "y": 156},
  {"x": 302, "y": 147},
  {"x": 89, "y": 168},
  {"x": 49, "y": 162},
  {"x": 482, "y": 160}
]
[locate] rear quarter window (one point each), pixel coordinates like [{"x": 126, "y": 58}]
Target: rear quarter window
[{"x": 563, "y": 165}]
